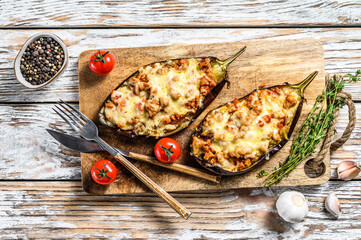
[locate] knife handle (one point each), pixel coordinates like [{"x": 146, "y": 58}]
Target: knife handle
[
  {"x": 179, "y": 208},
  {"x": 177, "y": 167}
]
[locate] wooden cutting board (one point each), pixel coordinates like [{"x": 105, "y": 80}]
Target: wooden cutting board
[{"x": 271, "y": 62}]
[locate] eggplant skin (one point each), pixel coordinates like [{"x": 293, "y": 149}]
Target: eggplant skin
[
  {"x": 220, "y": 171},
  {"x": 208, "y": 99}
]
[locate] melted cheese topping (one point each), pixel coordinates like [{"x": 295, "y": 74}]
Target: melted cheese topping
[
  {"x": 162, "y": 97},
  {"x": 238, "y": 134}
]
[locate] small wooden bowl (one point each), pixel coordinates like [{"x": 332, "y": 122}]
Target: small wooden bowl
[{"x": 17, "y": 63}]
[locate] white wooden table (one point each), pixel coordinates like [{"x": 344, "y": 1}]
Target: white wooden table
[{"x": 40, "y": 192}]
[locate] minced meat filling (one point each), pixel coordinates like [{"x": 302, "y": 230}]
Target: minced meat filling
[
  {"x": 162, "y": 97},
  {"x": 238, "y": 134}
]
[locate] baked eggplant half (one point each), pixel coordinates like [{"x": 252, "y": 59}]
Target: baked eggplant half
[
  {"x": 238, "y": 135},
  {"x": 163, "y": 98}
]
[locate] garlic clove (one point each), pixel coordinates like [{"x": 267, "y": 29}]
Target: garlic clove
[
  {"x": 344, "y": 165},
  {"x": 349, "y": 174},
  {"x": 348, "y": 170},
  {"x": 333, "y": 205},
  {"x": 292, "y": 206}
]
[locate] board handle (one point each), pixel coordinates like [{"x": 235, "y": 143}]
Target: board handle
[
  {"x": 351, "y": 121},
  {"x": 327, "y": 145}
]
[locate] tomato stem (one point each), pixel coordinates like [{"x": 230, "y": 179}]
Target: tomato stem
[
  {"x": 167, "y": 151},
  {"x": 102, "y": 173},
  {"x": 99, "y": 57}
]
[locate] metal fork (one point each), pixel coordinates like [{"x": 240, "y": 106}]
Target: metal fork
[{"x": 88, "y": 130}]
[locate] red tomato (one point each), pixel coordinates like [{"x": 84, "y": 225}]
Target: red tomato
[
  {"x": 167, "y": 150},
  {"x": 101, "y": 62},
  {"x": 104, "y": 172}
]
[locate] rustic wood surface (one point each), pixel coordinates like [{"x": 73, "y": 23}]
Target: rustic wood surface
[
  {"x": 259, "y": 64},
  {"x": 41, "y": 196},
  {"x": 63, "y": 210},
  {"x": 112, "y": 13}
]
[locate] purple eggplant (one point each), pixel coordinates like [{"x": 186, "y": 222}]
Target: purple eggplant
[
  {"x": 237, "y": 136},
  {"x": 163, "y": 98}
]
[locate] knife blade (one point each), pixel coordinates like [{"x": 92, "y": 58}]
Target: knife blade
[
  {"x": 78, "y": 144},
  {"x": 85, "y": 146}
]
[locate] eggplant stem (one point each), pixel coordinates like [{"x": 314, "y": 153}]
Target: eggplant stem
[
  {"x": 304, "y": 84},
  {"x": 229, "y": 60}
]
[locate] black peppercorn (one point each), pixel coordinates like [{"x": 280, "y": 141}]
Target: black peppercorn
[{"x": 41, "y": 60}]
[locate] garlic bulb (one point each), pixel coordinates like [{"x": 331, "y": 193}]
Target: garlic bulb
[
  {"x": 292, "y": 206},
  {"x": 348, "y": 170},
  {"x": 333, "y": 205}
]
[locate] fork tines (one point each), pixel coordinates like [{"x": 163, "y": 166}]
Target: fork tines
[{"x": 70, "y": 115}]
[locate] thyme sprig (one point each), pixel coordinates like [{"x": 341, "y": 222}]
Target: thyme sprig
[{"x": 313, "y": 130}]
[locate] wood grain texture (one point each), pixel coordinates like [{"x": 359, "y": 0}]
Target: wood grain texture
[
  {"x": 154, "y": 187},
  {"x": 283, "y": 63},
  {"x": 27, "y": 151},
  {"x": 341, "y": 50},
  {"x": 39, "y": 150},
  {"x": 44, "y": 210},
  {"x": 118, "y": 13}
]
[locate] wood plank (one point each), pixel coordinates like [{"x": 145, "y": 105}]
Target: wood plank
[
  {"x": 118, "y": 13},
  {"x": 29, "y": 152},
  {"x": 341, "y": 50},
  {"x": 53, "y": 209}
]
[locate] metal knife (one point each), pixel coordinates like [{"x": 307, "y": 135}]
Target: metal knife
[{"x": 85, "y": 146}]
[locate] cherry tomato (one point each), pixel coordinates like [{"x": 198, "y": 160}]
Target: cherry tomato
[
  {"x": 167, "y": 150},
  {"x": 104, "y": 172},
  {"x": 101, "y": 62}
]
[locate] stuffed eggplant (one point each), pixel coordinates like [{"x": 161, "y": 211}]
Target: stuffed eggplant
[
  {"x": 163, "y": 98},
  {"x": 235, "y": 137}
]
